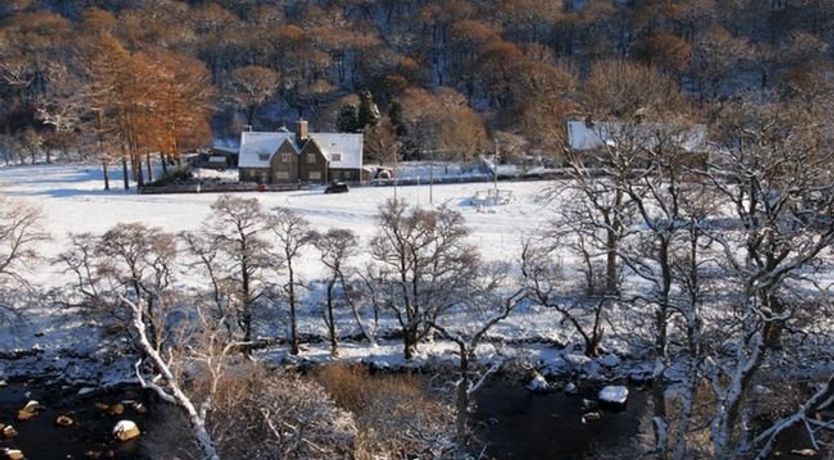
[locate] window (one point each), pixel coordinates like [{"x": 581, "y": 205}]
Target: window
[
  {"x": 282, "y": 175},
  {"x": 336, "y": 157},
  {"x": 346, "y": 175},
  {"x": 311, "y": 158},
  {"x": 263, "y": 156},
  {"x": 285, "y": 157},
  {"x": 315, "y": 175}
]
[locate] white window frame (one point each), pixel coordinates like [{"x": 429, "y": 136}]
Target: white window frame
[
  {"x": 311, "y": 158},
  {"x": 285, "y": 157}
]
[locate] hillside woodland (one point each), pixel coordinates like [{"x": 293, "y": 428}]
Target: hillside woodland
[{"x": 123, "y": 79}]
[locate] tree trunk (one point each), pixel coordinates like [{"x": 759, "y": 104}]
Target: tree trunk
[
  {"x": 124, "y": 173},
  {"x": 150, "y": 168},
  {"x": 164, "y": 162},
  {"x": 293, "y": 320},
  {"x": 331, "y": 323},
  {"x": 408, "y": 351},
  {"x": 106, "y": 176},
  {"x": 462, "y": 398}
]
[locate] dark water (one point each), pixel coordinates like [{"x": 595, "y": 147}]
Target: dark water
[
  {"x": 40, "y": 439},
  {"x": 521, "y": 425}
]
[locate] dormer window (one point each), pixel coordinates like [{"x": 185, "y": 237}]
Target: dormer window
[
  {"x": 336, "y": 157},
  {"x": 263, "y": 156}
]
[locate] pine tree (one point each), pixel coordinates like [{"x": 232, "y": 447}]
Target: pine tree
[
  {"x": 368, "y": 111},
  {"x": 348, "y": 119},
  {"x": 395, "y": 114}
]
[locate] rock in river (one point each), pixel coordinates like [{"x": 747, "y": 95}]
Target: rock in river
[
  {"x": 64, "y": 421},
  {"x": 29, "y": 411},
  {"x": 125, "y": 430},
  {"x": 538, "y": 384},
  {"x": 613, "y": 397},
  {"x": 13, "y": 454}
]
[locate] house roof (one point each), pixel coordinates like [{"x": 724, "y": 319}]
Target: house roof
[
  {"x": 583, "y": 135},
  {"x": 254, "y": 145},
  {"x": 343, "y": 150}
]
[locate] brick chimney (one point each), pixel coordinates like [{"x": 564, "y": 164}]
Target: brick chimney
[{"x": 301, "y": 129}]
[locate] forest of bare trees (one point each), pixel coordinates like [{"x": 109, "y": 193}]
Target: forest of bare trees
[{"x": 120, "y": 81}]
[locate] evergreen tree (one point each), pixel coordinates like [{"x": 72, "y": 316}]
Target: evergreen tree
[
  {"x": 395, "y": 114},
  {"x": 368, "y": 111},
  {"x": 348, "y": 120}
]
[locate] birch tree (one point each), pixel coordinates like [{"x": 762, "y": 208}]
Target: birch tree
[{"x": 293, "y": 234}]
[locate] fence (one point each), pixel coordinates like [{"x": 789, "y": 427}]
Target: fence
[{"x": 223, "y": 187}]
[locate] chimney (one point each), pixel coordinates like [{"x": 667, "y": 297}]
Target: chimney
[{"x": 301, "y": 129}]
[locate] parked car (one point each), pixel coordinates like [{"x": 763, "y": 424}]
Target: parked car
[{"x": 337, "y": 187}]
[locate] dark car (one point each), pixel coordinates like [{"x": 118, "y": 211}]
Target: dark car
[{"x": 337, "y": 187}]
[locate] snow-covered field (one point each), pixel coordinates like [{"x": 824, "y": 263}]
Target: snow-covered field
[{"x": 72, "y": 200}]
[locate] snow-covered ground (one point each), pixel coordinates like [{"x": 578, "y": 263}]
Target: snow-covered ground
[{"x": 72, "y": 200}]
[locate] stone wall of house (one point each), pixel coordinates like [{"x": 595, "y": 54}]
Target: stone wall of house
[
  {"x": 312, "y": 164},
  {"x": 259, "y": 175},
  {"x": 284, "y": 165}
]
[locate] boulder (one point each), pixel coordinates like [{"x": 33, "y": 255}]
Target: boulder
[
  {"x": 577, "y": 360},
  {"x": 86, "y": 391},
  {"x": 538, "y": 384},
  {"x": 804, "y": 452},
  {"x": 13, "y": 454},
  {"x": 613, "y": 397},
  {"x": 610, "y": 360},
  {"x": 591, "y": 417},
  {"x": 29, "y": 411},
  {"x": 102, "y": 407},
  {"x": 116, "y": 409},
  {"x": 126, "y": 430},
  {"x": 64, "y": 421},
  {"x": 8, "y": 432},
  {"x": 570, "y": 388}
]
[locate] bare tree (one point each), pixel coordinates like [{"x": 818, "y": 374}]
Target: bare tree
[
  {"x": 775, "y": 180},
  {"x": 206, "y": 256},
  {"x": 140, "y": 260},
  {"x": 336, "y": 246},
  {"x": 293, "y": 232},
  {"x": 20, "y": 234},
  {"x": 168, "y": 380},
  {"x": 490, "y": 302},
  {"x": 547, "y": 287},
  {"x": 425, "y": 266},
  {"x": 236, "y": 228}
]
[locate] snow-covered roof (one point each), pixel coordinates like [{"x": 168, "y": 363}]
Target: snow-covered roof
[
  {"x": 343, "y": 150},
  {"x": 583, "y": 135},
  {"x": 256, "y": 148}
]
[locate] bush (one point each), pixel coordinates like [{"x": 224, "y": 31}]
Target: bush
[
  {"x": 262, "y": 416},
  {"x": 395, "y": 415}
]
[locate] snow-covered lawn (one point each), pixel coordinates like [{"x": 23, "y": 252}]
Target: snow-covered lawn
[{"x": 72, "y": 200}]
